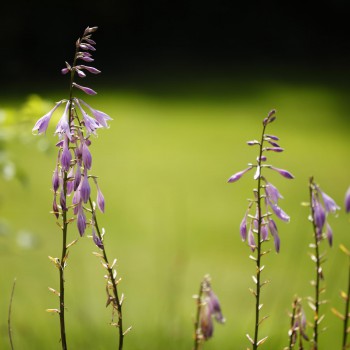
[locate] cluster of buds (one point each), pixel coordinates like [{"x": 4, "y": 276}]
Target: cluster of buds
[
  {"x": 208, "y": 308},
  {"x": 266, "y": 190},
  {"x": 321, "y": 205},
  {"x": 76, "y": 125}
]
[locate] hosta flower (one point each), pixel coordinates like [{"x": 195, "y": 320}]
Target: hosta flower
[
  {"x": 42, "y": 124},
  {"x": 347, "y": 201}
]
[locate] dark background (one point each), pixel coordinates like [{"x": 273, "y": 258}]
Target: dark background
[{"x": 144, "y": 39}]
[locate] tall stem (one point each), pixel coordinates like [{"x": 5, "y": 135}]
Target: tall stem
[
  {"x": 62, "y": 267},
  {"x": 196, "y": 324},
  {"x": 346, "y": 313},
  {"x": 318, "y": 266},
  {"x": 259, "y": 244},
  {"x": 117, "y": 302}
]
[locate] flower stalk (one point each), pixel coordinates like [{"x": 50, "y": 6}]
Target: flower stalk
[{"x": 255, "y": 227}]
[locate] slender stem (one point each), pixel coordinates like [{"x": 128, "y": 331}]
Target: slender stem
[
  {"x": 196, "y": 324},
  {"x": 346, "y": 314},
  {"x": 9, "y": 314},
  {"x": 117, "y": 302},
  {"x": 318, "y": 266},
  {"x": 258, "y": 259},
  {"x": 63, "y": 262},
  {"x": 292, "y": 331}
]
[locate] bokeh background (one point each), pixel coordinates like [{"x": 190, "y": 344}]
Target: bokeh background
[{"x": 187, "y": 83}]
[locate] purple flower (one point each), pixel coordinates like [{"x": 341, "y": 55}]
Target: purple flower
[
  {"x": 264, "y": 232},
  {"x": 55, "y": 180},
  {"x": 251, "y": 240},
  {"x": 274, "y": 234},
  {"x": 206, "y": 322},
  {"x": 89, "y": 69},
  {"x": 85, "y": 188},
  {"x": 86, "y": 156},
  {"x": 284, "y": 173},
  {"x": 96, "y": 239},
  {"x": 87, "y": 90},
  {"x": 42, "y": 124},
  {"x": 63, "y": 124},
  {"x": 347, "y": 201},
  {"x": 63, "y": 200},
  {"x": 243, "y": 228},
  {"x": 81, "y": 222},
  {"x": 272, "y": 137},
  {"x": 214, "y": 307},
  {"x": 55, "y": 207},
  {"x": 274, "y": 149},
  {"x": 319, "y": 213},
  {"x": 76, "y": 201},
  {"x": 329, "y": 203},
  {"x": 66, "y": 156},
  {"x": 237, "y": 176},
  {"x": 272, "y": 192},
  {"x": 277, "y": 210},
  {"x": 70, "y": 183},
  {"x": 101, "y": 117},
  {"x": 329, "y": 234},
  {"x": 100, "y": 200},
  {"x": 90, "y": 123}
]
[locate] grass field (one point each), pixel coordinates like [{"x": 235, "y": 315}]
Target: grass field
[{"x": 171, "y": 217}]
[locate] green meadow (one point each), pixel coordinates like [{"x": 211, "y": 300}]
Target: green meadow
[{"x": 171, "y": 217}]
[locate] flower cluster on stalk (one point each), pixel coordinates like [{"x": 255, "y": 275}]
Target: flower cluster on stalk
[
  {"x": 322, "y": 204},
  {"x": 208, "y": 308},
  {"x": 255, "y": 222},
  {"x": 74, "y": 129}
]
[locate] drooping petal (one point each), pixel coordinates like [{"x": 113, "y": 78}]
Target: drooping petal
[
  {"x": 81, "y": 222},
  {"x": 62, "y": 127},
  {"x": 264, "y": 232},
  {"x": 272, "y": 192},
  {"x": 215, "y": 308},
  {"x": 279, "y": 212},
  {"x": 101, "y": 117},
  {"x": 237, "y": 176},
  {"x": 347, "y": 201},
  {"x": 42, "y": 124},
  {"x": 55, "y": 180},
  {"x": 86, "y": 156},
  {"x": 70, "y": 182},
  {"x": 85, "y": 189},
  {"x": 66, "y": 157},
  {"x": 284, "y": 173},
  {"x": 63, "y": 200},
  {"x": 55, "y": 207},
  {"x": 251, "y": 240},
  {"x": 319, "y": 214},
  {"x": 96, "y": 239},
  {"x": 243, "y": 228},
  {"x": 329, "y": 234},
  {"x": 329, "y": 203},
  {"x": 100, "y": 200},
  {"x": 86, "y": 89}
]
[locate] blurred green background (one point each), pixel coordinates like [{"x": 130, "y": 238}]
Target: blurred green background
[
  {"x": 170, "y": 215},
  {"x": 187, "y": 83}
]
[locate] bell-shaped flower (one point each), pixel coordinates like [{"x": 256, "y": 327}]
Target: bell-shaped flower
[
  {"x": 55, "y": 209},
  {"x": 66, "y": 156},
  {"x": 237, "y": 176},
  {"x": 86, "y": 89},
  {"x": 55, "y": 180},
  {"x": 329, "y": 233},
  {"x": 62, "y": 127},
  {"x": 329, "y": 203},
  {"x": 283, "y": 172},
  {"x": 81, "y": 222},
  {"x": 86, "y": 156},
  {"x": 251, "y": 240},
  {"x": 90, "y": 123},
  {"x": 42, "y": 124},
  {"x": 318, "y": 213},
  {"x": 243, "y": 228},
  {"x": 96, "y": 239},
  {"x": 101, "y": 117},
  {"x": 272, "y": 192},
  {"x": 347, "y": 201},
  {"x": 85, "y": 188}
]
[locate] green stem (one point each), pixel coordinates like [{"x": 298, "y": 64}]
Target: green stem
[
  {"x": 318, "y": 266},
  {"x": 117, "y": 302},
  {"x": 62, "y": 267},
  {"x": 346, "y": 314},
  {"x": 197, "y": 339},
  {"x": 9, "y": 315},
  {"x": 259, "y": 246}
]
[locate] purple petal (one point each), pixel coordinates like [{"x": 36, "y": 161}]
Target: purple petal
[
  {"x": 85, "y": 189},
  {"x": 42, "y": 124},
  {"x": 329, "y": 203},
  {"x": 70, "y": 183},
  {"x": 214, "y": 307},
  {"x": 86, "y": 89},
  {"x": 238, "y": 175},
  {"x": 66, "y": 157},
  {"x": 264, "y": 232},
  {"x": 347, "y": 201},
  {"x": 274, "y": 149},
  {"x": 272, "y": 192},
  {"x": 76, "y": 201},
  {"x": 64, "y": 70},
  {"x": 55, "y": 180},
  {"x": 96, "y": 239},
  {"x": 273, "y": 137},
  {"x": 100, "y": 200},
  {"x": 55, "y": 207},
  {"x": 92, "y": 70},
  {"x": 80, "y": 73},
  {"x": 253, "y": 142},
  {"x": 279, "y": 212},
  {"x": 86, "y": 58},
  {"x": 319, "y": 214},
  {"x": 273, "y": 227},
  {"x": 101, "y": 117},
  {"x": 243, "y": 228},
  {"x": 206, "y": 322},
  {"x": 63, "y": 124},
  {"x": 251, "y": 240},
  {"x": 284, "y": 173},
  {"x": 329, "y": 235},
  {"x": 77, "y": 177},
  {"x": 63, "y": 200},
  {"x": 86, "y": 156},
  {"x": 277, "y": 242},
  {"x": 81, "y": 222}
]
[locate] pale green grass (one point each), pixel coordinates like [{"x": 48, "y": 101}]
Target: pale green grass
[{"x": 171, "y": 218}]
